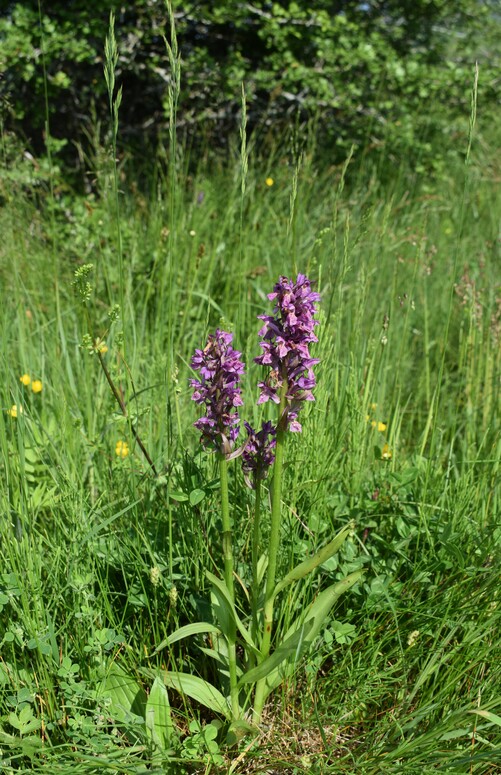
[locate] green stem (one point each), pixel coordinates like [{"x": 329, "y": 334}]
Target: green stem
[
  {"x": 276, "y": 519},
  {"x": 256, "y": 535},
  {"x": 228, "y": 577},
  {"x": 125, "y": 413}
]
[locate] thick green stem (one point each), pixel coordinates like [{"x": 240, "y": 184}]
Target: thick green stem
[
  {"x": 276, "y": 519},
  {"x": 256, "y": 536},
  {"x": 228, "y": 577}
]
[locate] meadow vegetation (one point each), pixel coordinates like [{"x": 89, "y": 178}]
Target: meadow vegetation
[{"x": 109, "y": 507}]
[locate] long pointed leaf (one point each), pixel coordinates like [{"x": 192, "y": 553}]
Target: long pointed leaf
[
  {"x": 224, "y": 599},
  {"x": 320, "y": 607},
  {"x": 216, "y": 655},
  {"x": 159, "y": 726},
  {"x": 186, "y": 632},
  {"x": 289, "y": 648},
  {"x": 308, "y": 565},
  {"x": 299, "y": 637}
]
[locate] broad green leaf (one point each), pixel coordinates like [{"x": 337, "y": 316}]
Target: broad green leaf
[
  {"x": 214, "y": 655},
  {"x": 308, "y": 565},
  {"x": 7, "y": 739},
  {"x": 238, "y": 729},
  {"x": 159, "y": 725},
  {"x": 196, "y": 496},
  {"x": 186, "y": 632},
  {"x": 320, "y": 608},
  {"x": 220, "y": 657},
  {"x": 291, "y": 647},
  {"x": 126, "y": 695},
  {"x": 224, "y": 600},
  {"x": 223, "y": 614},
  {"x": 31, "y": 745},
  {"x": 299, "y": 637},
  {"x": 198, "y": 690},
  {"x": 178, "y": 496}
]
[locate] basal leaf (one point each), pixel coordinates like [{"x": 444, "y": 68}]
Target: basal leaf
[
  {"x": 187, "y": 631},
  {"x": 228, "y": 610},
  {"x": 199, "y": 690},
  {"x": 299, "y": 637},
  {"x": 159, "y": 725},
  {"x": 308, "y": 565},
  {"x": 290, "y": 648},
  {"x": 126, "y": 695}
]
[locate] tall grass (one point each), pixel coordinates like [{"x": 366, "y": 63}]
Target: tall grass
[{"x": 102, "y": 559}]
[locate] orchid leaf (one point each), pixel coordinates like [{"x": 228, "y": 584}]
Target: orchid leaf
[
  {"x": 289, "y": 648},
  {"x": 227, "y": 611},
  {"x": 199, "y": 690},
  {"x": 299, "y": 637},
  {"x": 127, "y": 699},
  {"x": 320, "y": 608},
  {"x": 221, "y": 658},
  {"x": 262, "y": 565},
  {"x": 159, "y": 726},
  {"x": 186, "y": 632},
  {"x": 308, "y": 565}
]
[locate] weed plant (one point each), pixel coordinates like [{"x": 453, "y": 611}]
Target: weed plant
[{"x": 105, "y": 551}]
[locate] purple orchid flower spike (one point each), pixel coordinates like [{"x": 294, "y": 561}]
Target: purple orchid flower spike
[
  {"x": 286, "y": 336},
  {"x": 219, "y": 389},
  {"x": 257, "y": 453}
]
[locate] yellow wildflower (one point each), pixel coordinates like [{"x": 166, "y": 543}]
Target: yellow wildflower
[
  {"x": 381, "y": 426},
  {"x": 15, "y": 410},
  {"x": 36, "y": 385},
  {"x": 121, "y": 449},
  {"x": 25, "y": 379},
  {"x": 386, "y": 453},
  {"x": 269, "y": 182},
  {"x": 100, "y": 346}
]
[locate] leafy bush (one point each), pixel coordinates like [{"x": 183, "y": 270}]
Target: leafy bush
[{"x": 380, "y": 75}]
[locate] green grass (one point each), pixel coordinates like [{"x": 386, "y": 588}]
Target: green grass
[{"x": 406, "y": 676}]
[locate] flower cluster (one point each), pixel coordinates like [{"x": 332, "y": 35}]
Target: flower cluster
[
  {"x": 219, "y": 389},
  {"x": 286, "y": 336},
  {"x": 285, "y": 343},
  {"x": 121, "y": 449},
  {"x": 36, "y": 384},
  {"x": 257, "y": 453}
]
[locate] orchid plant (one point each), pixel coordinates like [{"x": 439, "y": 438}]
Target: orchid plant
[{"x": 253, "y": 670}]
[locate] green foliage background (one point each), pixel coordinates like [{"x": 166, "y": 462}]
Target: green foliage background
[{"x": 374, "y": 74}]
